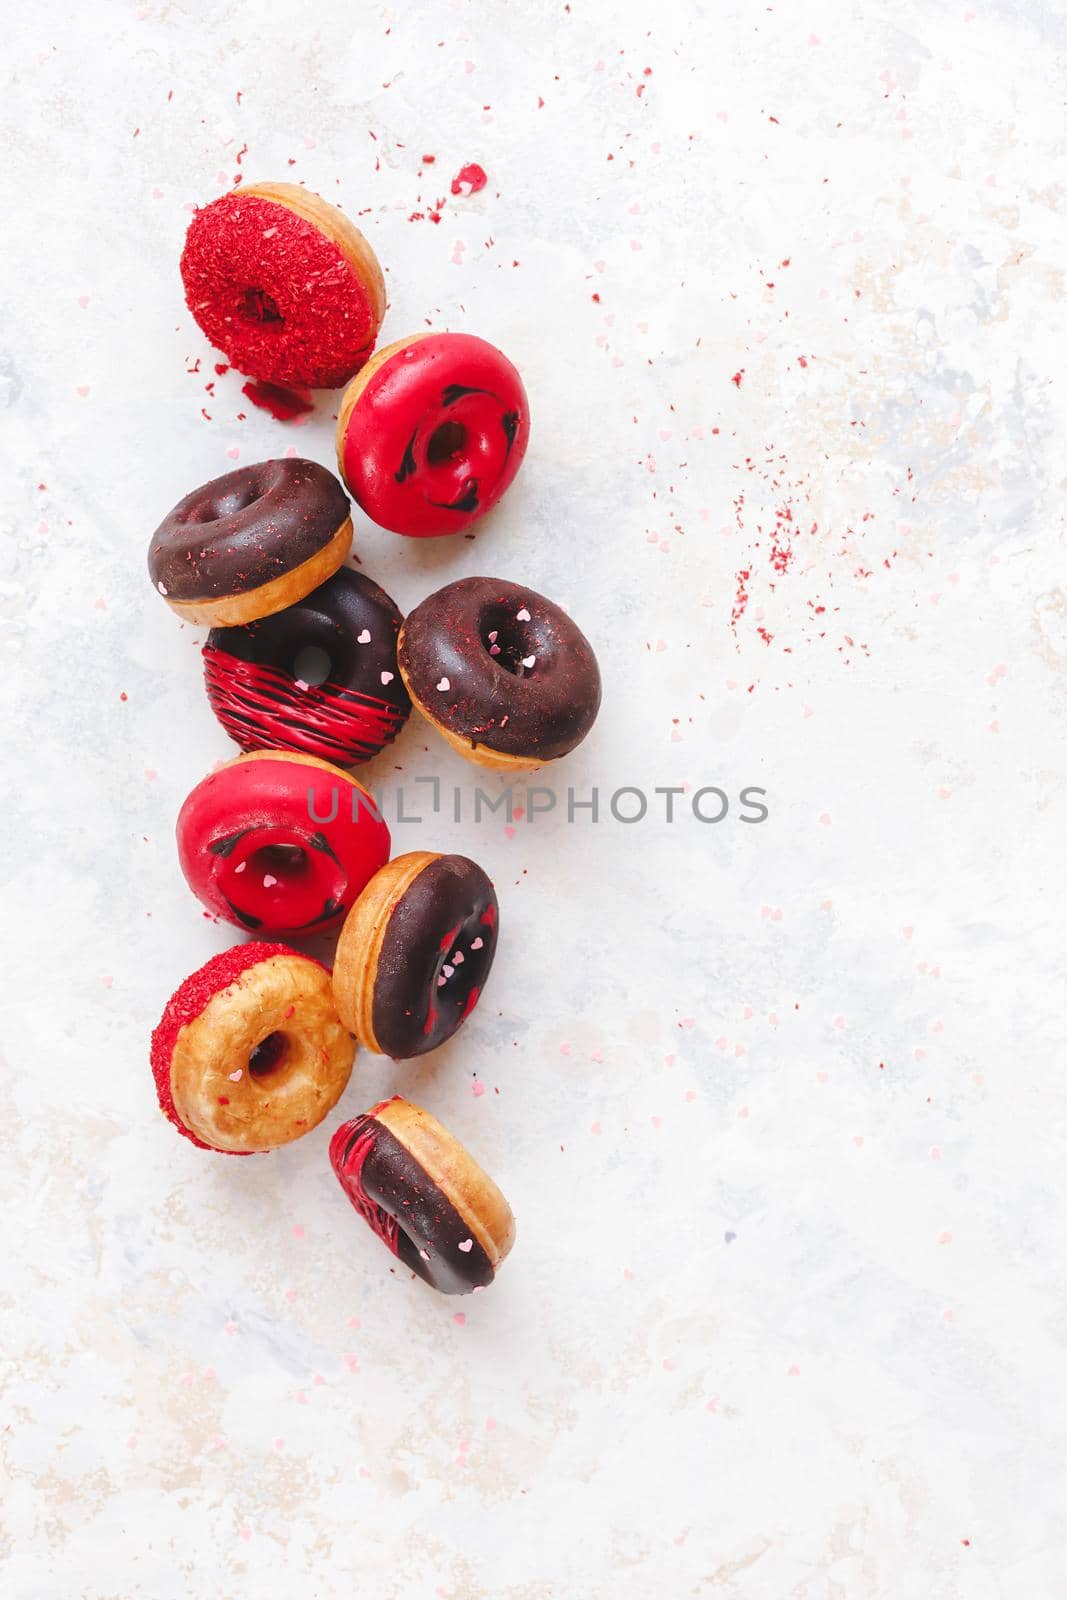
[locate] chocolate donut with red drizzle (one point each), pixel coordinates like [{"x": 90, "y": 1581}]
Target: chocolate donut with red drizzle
[
  {"x": 415, "y": 952},
  {"x": 432, "y": 432},
  {"x": 284, "y": 285},
  {"x": 501, "y": 672},
  {"x": 280, "y": 843},
  {"x": 424, "y": 1196},
  {"x": 251, "y": 542},
  {"x": 319, "y": 678}
]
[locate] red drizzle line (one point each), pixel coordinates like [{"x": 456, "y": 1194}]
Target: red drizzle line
[
  {"x": 255, "y": 702},
  {"x": 357, "y": 1150}
]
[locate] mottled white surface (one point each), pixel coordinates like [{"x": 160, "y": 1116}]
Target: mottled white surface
[{"x": 778, "y": 1107}]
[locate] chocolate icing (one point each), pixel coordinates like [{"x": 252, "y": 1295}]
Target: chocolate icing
[
  {"x": 469, "y": 636},
  {"x": 405, "y": 1208},
  {"x": 251, "y": 674},
  {"x": 421, "y": 992},
  {"x": 245, "y": 529}
]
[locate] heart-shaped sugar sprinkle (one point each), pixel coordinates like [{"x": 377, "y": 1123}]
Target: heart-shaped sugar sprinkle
[
  {"x": 444, "y": 686},
  {"x": 477, "y": 945},
  {"x": 466, "y": 1245},
  {"x": 529, "y": 661},
  {"x": 364, "y": 637},
  {"x": 235, "y": 1077},
  {"x": 387, "y": 677},
  {"x": 522, "y": 616}
]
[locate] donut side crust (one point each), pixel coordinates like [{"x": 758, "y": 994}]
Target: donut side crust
[
  {"x": 461, "y": 1180},
  {"x": 480, "y": 754}
]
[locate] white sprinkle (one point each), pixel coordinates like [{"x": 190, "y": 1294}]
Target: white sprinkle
[
  {"x": 529, "y": 661},
  {"x": 522, "y": 616},
  {"x": 387, "y": 677},
  {"x": 466, "y": 1245},
  {"x": 444, "y": 686},
  {"x": 503, "y": 722},
  {"x": 493, "y": 636},
  {"x": 424, "y": 1256},
  {"x": 364, "y": 637},
  {"x": 162, "y": 588},
  {"x": 300, "y": 684},
  {"x": 457, "y": 957},
  {"x": 447, "y": 970},
  {"x": 477, "y": 945},
  {"x": 242, "y": 867},
  {"x": 268, "y": 881},
  {"x": 235, "y": 1077},
  {"x": 270, "y": 233}
]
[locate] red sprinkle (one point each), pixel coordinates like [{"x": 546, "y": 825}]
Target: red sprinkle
[
  {"x": 469, "y": 179},
  {"x": 283, "y": 404}
]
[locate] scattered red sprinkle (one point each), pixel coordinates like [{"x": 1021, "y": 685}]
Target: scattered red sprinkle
[
  {"x": 736, "y": 379},
  {"x": 428, "y": 161},
  {"x": 283, "y": 404},
  {"x": 469, "y": 179}
]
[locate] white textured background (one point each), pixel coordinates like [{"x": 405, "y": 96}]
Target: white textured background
[{"x": 779, "y": 1108}]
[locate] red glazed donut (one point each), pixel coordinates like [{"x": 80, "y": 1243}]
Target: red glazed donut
[
  {"x": 249, "y": 1053},
  {"x": 279, "y": 842},
  {"x": 432, "y": 432},
  {"x": 284, "y": 285}
]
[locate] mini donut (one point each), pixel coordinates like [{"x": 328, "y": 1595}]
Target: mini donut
[
  {"x": 284, "y": 285},
  {"x": 257, "y": 677},
  {"x": 432, "y": 432},
  {"x": 251, "y": 542},
  {"x": 503, "y": 673},
  {"x": 249, "y": 1053},
  {"x": 415, "y": 952},
  {"x": 279, "y": 842},
  {"x": 423, "y": 1195}
]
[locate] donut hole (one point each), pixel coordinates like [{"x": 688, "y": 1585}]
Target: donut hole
[
  {"x": 268, "y": 1057},
  {"x": 256, "y": 305},
  {"x": 311, "y": 665},
  {"x": 282, "y": 862},
  {"x": 508, "y": 641},
  {"x": 446, "y": 443}
]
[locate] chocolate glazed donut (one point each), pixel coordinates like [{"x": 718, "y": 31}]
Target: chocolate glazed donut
[
  {"x": 415, "y": 953},
  {"x": 502, "y": 672},
  {"x": 423, "y": 1195},
  {"x": 257, "y": 676},
  {"x": 251, "y": 543}
]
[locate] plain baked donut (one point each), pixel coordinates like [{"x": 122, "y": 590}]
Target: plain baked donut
[
  {"x": 249, "y": 1053},
  {"x": 284, "y": 285},
  {"x": 251, "y": 542},
  {"x": 425, "y": 1197}
]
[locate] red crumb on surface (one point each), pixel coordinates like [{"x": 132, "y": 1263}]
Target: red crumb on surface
[
  {"x": 186, "y": 1004},
  {"x": 283, "y": 404},
  {"x": 469, "y": 179},
  {"x": 737, "y": 377}
]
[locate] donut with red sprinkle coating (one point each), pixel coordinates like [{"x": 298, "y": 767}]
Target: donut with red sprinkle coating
[{"x": 284, "y": 285}]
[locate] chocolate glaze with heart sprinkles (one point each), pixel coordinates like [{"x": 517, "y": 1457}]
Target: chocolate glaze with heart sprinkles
[
  {"x": 246, "y": 529},
  {"x": 258, "y": 694},
  {"x": 498, "y": 665},
  {"x": 435, "y": 956},
  {"x": 406, "y": 1209}
]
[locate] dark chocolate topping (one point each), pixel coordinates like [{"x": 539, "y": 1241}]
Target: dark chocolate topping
[
  {"x": 501, "y": 666},
  {"x": 256, "y": 683},
  {"x": 438, "y": 947},
  {"x": 245, "y": 529},
  {"x": 406, "y": 1209}
]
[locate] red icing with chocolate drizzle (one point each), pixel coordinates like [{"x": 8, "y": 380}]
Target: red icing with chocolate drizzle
[
  {"x": 436, "y": 436},
  {"x": 275, "y": 295},
  {"x": 280, "y": 845}
]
